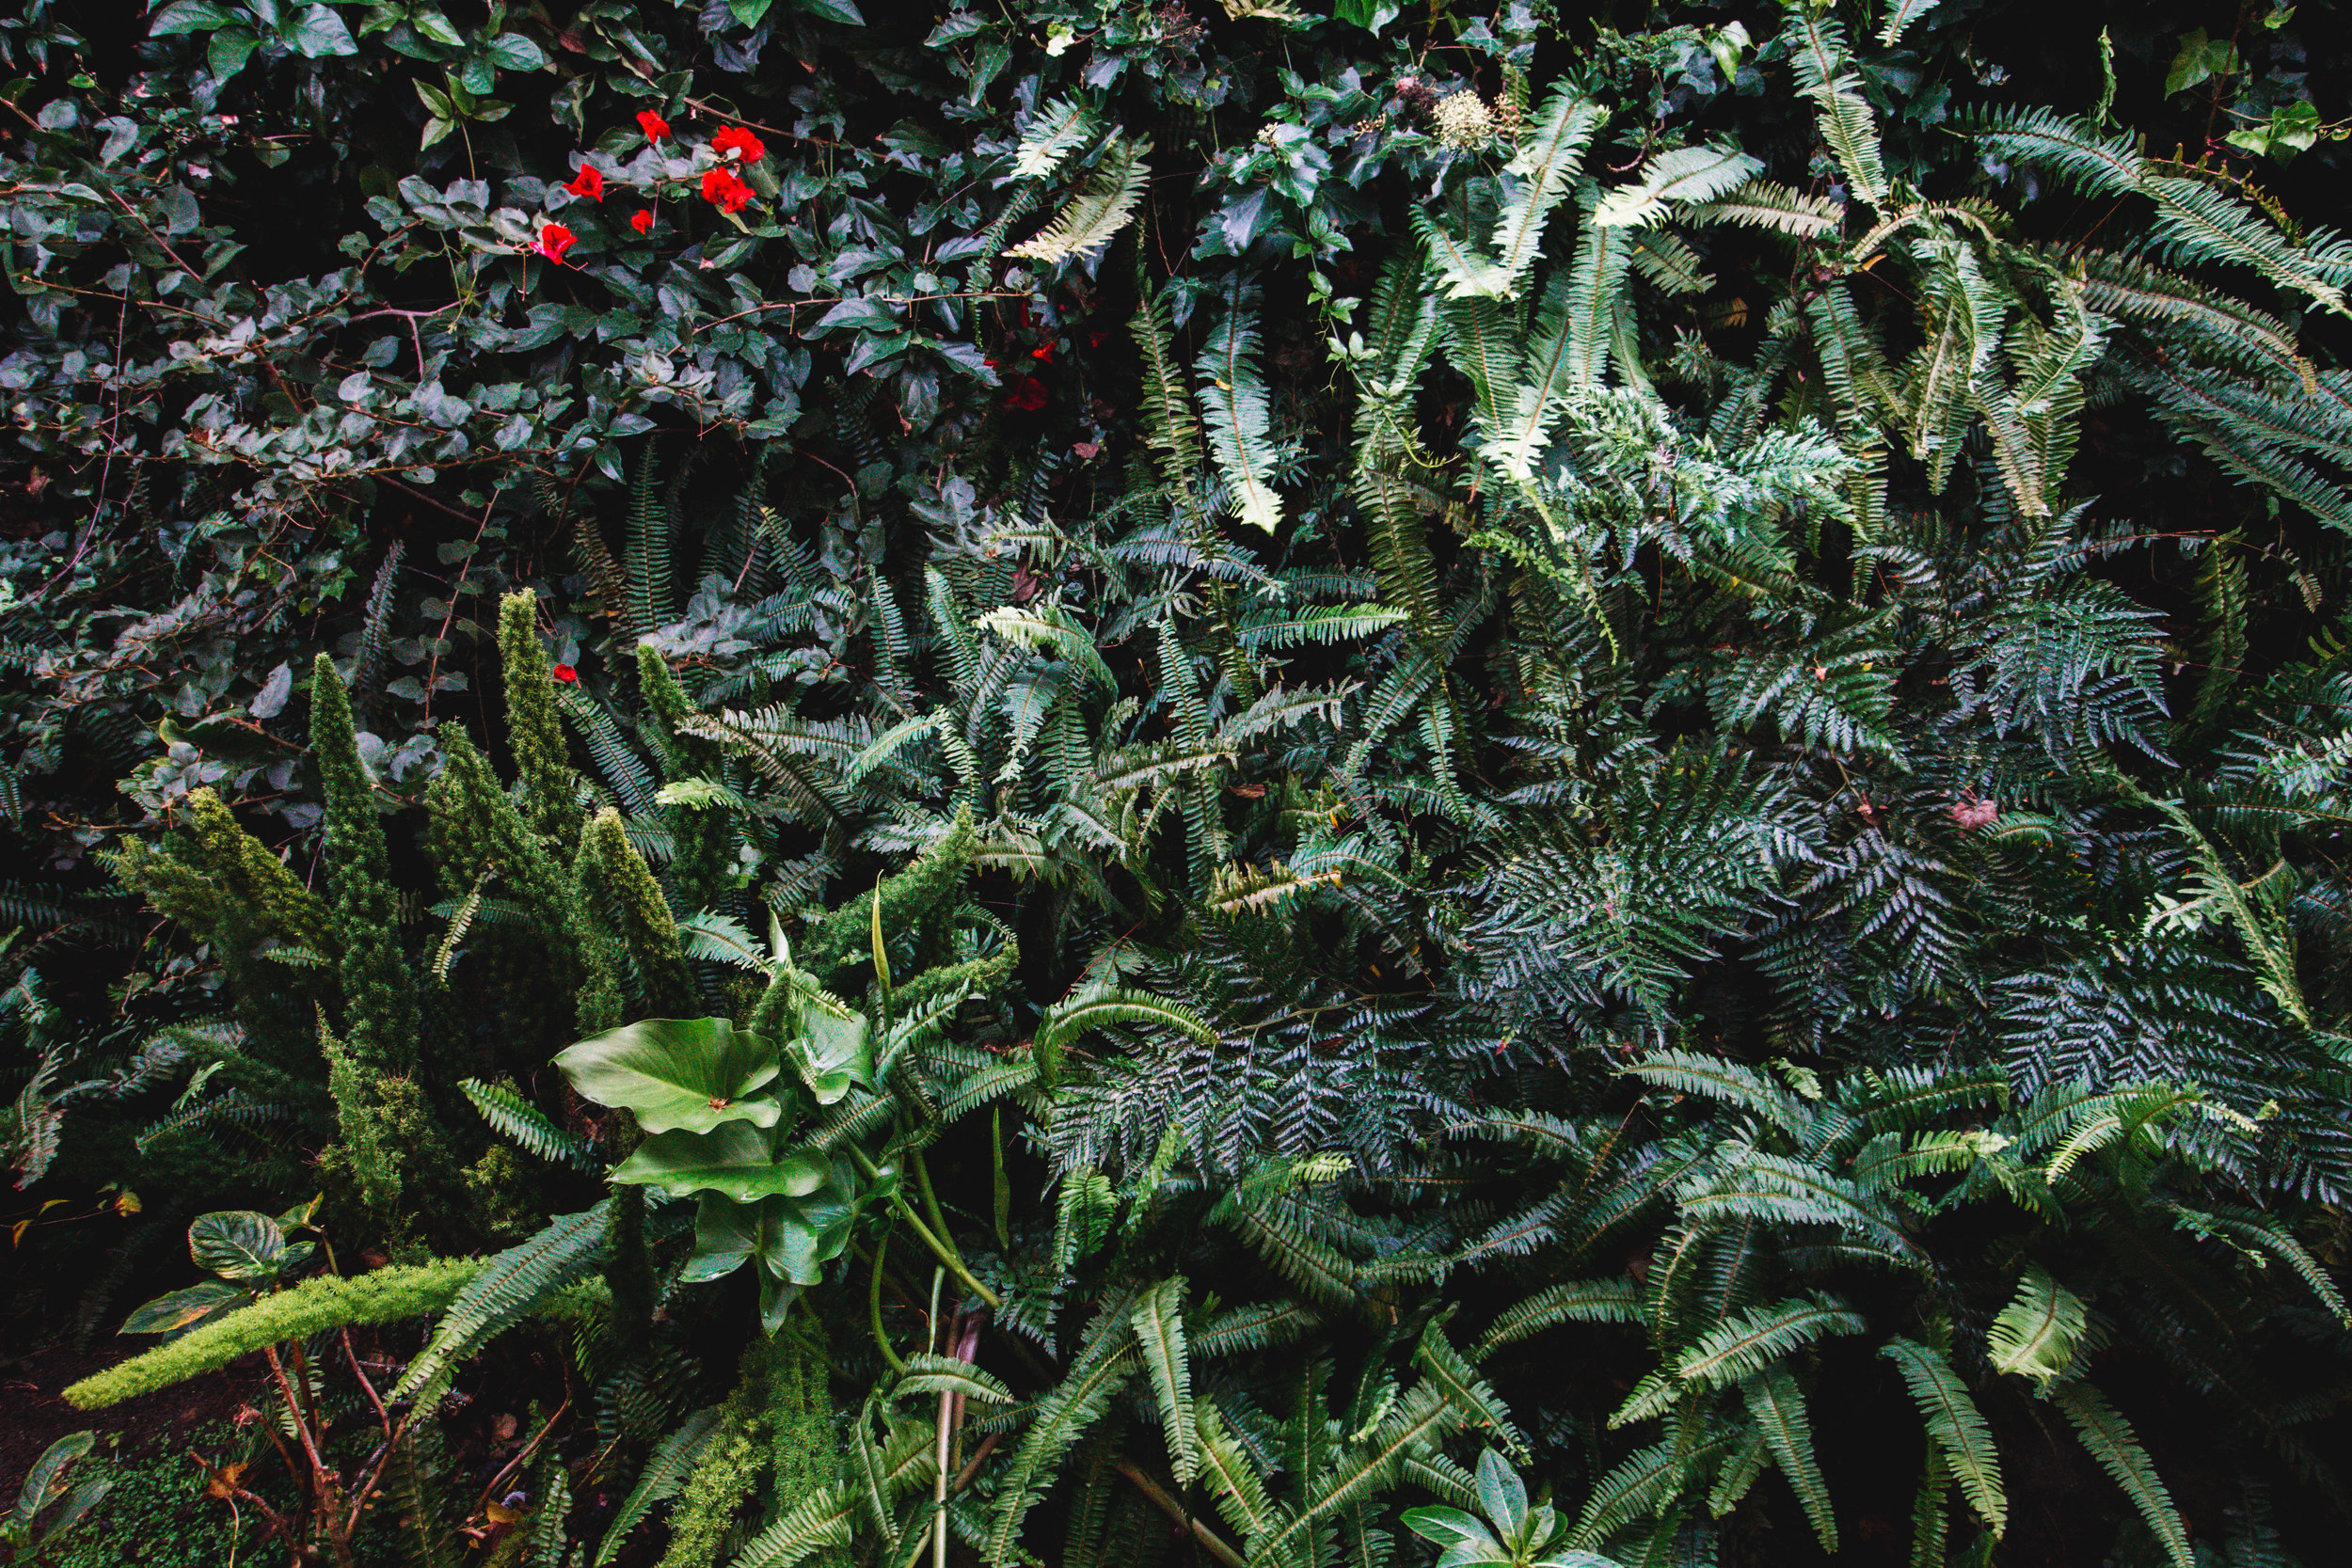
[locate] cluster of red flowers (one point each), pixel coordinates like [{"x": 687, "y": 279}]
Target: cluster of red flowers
[{"x": 722, "y": 186}]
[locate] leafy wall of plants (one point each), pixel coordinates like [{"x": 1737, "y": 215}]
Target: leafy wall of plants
[{"x": 1089, "y": 782}]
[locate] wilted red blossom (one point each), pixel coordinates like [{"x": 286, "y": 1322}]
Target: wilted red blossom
[
  {"x": 553, "y": 241},
  {"x": 724, "y": 191},
  {"x": 642, "y": 222},
  {"x": 738, "y": 140},
  {"x": 1028, "y": 394},
  {"x": 588, "y": 182},
  {"x": 566, "y": 673},
  {"x": 652, "y": 124}
]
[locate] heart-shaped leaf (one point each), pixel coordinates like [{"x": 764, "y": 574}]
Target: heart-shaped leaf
[
  {"x": 691, "y": 1073},
  {"x": 832, "y": 1053},
  {"x": 735, "y": 1159}
]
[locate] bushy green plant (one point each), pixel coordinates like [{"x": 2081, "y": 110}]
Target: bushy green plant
[{"x": 1603, "y": 749}]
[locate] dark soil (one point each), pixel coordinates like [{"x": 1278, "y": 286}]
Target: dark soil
[{"x": 34, "y": 1414}]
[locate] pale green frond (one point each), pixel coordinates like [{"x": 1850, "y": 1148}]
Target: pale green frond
[
  {"x": 1158, "y": 1319},
  {"x": 2035, "y": 1335},
  {"x": 1099, "y": 210},
  {"x": 1059, "y": 128}
]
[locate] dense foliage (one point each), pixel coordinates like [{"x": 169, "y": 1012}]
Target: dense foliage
[{"x": 1076, "y": 781}]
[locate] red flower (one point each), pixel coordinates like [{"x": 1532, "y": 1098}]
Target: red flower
[
  {"x": 566, "y": 674},
  {"x": 1028, "y": 395},
  {"x": 588, "y": 182},
  {"x": 1045, "y": 351},
  {"x": 724, "y": 190},
  {"x": 553, "y": 241},
  {"x": 652, "y": 124},
  {"x": 642, "y": 222},
  {"x": 738, "y": 140}
]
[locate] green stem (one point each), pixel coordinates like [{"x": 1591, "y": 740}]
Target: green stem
[
  {"x": 922, "y": 1184},
  {"x": 941, "y": 1250},
  {"x": 873, "y": 1309}
]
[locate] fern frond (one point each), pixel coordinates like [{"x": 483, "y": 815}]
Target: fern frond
[
  {"x": 1099, "y": 210},
  {"x": 2113, "y": 1443},
  {"x": 507, "y": 1288},
  {"x": 1059, "y": 128},
  {"x": 1777, "y": 1405},
  {"x": 1955, "y": 1426},
  {"x": 1233, "y": 393},
  {"x": 1158, "y": 1319},
  {"x": 2035, "y": 1335},
  {"x": 1762, "y": 1336},
  {"x": 523, "y": 1124}
]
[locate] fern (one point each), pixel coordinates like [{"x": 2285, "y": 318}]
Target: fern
[
  {"x": 2035, "y": 1335},
  {"x": 1954, "y": 1427},
  {"x": 1777, "y": 1405},
  {"x": 1232, "y": 390},
  {"x": 506, "y": 1287},
  {"x": 2116, "y": 1446},
  {"x": 1159, "y": 1328},
  {"x": 1099, "y": 209},
  {"x": 519, "y": 1122}
]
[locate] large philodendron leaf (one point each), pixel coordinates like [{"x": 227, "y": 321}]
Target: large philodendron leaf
[
  {"x": 678, "y": 1073},
  {"x": 792, "y": 1236},
  {"x": 832, "y": 1053},
  {"x": 735, "y": 1158}
]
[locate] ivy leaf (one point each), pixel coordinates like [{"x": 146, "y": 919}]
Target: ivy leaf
[
  {"x": 677, "y": 1073},
  {"x": 193, "y": 16},
  {"x": 319, "y": 32}
]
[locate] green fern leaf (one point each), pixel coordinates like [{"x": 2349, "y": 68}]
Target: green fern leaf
[
  {"x": 2116, "y": 1446},
  {"x": 509, "y": 1286},
  {"x": 2035, "y": 1335},
  {"x": 1159, "y": 1325},
  {"x": 519, "y": 1121},
  {"x": 1760, "y": 1337},
  {"x": 1955, "y": 1427},
  {"x": 1777, "y": 1405},
  {"x": 1099, "y": 209},
  {"x": 666, "y": 1468}
]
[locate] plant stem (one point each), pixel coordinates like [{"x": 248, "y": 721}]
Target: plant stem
[
  {"x": 873, "y": 1309},
  {"x": 944, "y": 1253},
  {"x": 1210, "y": 1541}
]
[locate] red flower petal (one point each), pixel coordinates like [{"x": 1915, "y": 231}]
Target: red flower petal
[
  {"x": 553, "y": 241},
  {"x": 739, "y": 142},
  {"x": 652, "y": 124},
  {"x": 642, "y": 222},
  {"x": 588, "y": 182},
  {"x": 566, "y": 673}
]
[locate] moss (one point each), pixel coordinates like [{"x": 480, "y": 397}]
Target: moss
[
  {"x": 327, "y": 1301},
  {"x": 155, "y": 1513}
]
